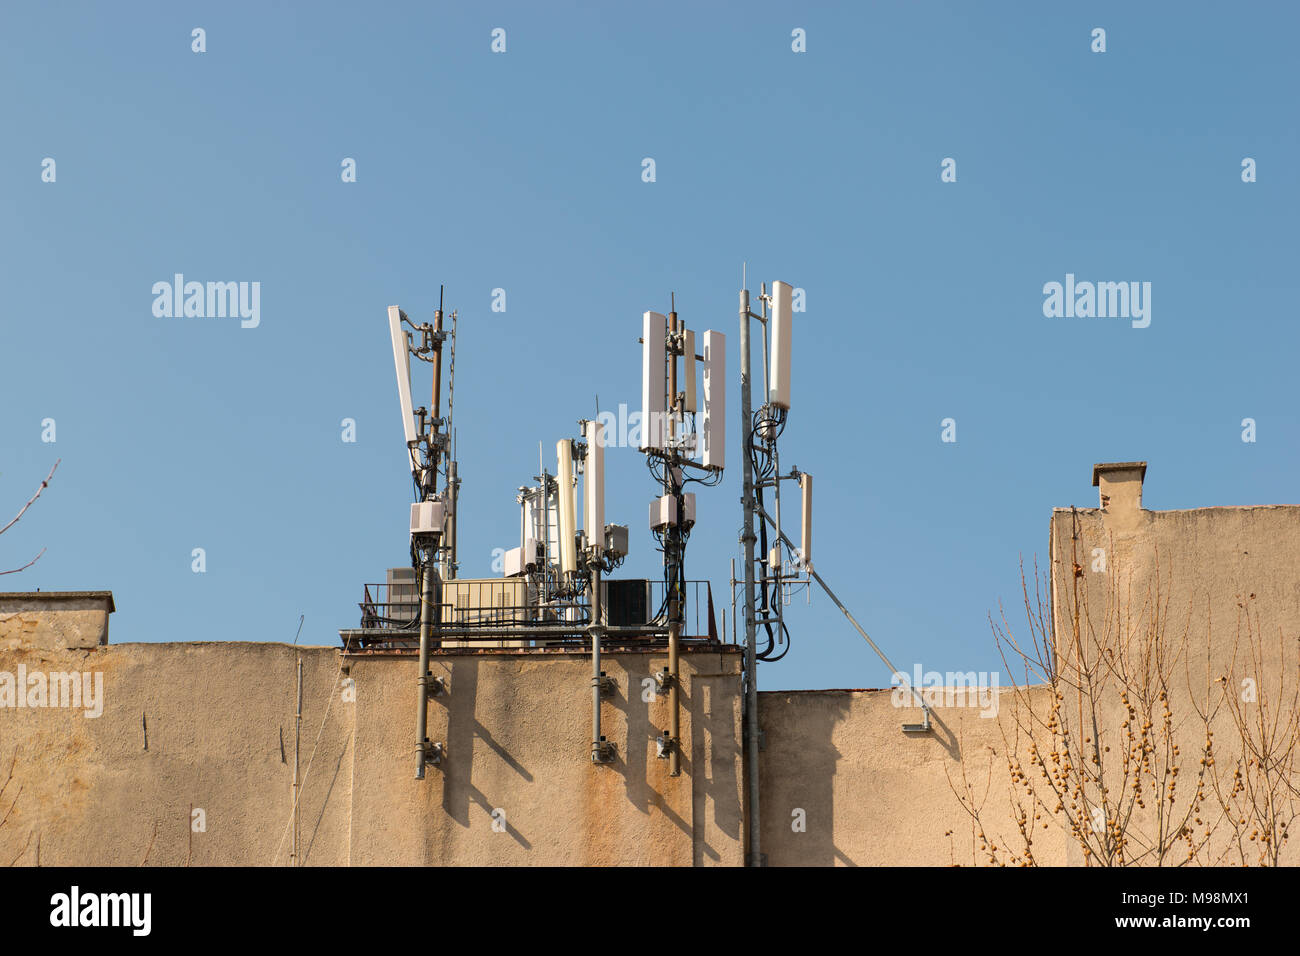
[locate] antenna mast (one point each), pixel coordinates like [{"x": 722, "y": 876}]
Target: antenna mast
[
  {"x": 433, "y": 515},
  {"x": 675, "y": 447}
]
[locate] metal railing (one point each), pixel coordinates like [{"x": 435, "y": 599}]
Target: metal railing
[{"x": 514, "y": 612}]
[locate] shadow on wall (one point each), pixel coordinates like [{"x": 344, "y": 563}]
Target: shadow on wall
[
  {"x": 715, "y": 746},
  {"x": 632, "y": 759},
  {"x": 325, "y": 803},
  {"x": 798, "y": 763},
  {"x": 804, "y": 770},
  {"x": 463, "y": 729}
]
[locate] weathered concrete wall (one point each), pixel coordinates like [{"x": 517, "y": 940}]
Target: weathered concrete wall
[
  {"x": 1217, "y": 591},
  {"x": 1221, "y": 588},
  {"x": 218, "y": 721},
  {"x": 55, "y": 619},
  {"x": 209, "y": 726},
  {"x": 517, "y": 730},
  {"x": 873, "y": 795}
]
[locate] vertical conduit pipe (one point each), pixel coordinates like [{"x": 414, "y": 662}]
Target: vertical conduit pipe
[
  {"x": 747, "y": 537},
  {"x": 297, "y": 746},
  {"x": 426, "y": 634},
  {"x": 597, "y": 751},
  {"x": 674, "y": 683}
]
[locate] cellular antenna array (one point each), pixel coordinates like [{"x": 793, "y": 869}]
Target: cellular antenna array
[
  {"x": 774, "y": 565},
  {"x": 685, "y": 443},
  {"x": 433, "y": 513}
]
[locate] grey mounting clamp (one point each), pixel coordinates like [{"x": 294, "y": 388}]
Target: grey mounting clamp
[
  {"x": 434, "y": 753},
  {"x": 923, "y": 727},
  {"x": 607, "y": 685},
  {"x": 665, "y": 744},
  {"x": 602, "y": 751},
  {"x": 436, "y": 686}
]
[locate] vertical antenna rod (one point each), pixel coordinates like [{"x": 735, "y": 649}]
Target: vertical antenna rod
[
  {"x": 437, "y": 390},
  {"x": 453, "y": 476}
]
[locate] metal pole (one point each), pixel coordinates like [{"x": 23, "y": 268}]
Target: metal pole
[
  {"x": 426, "y": 635},
  {"x": 594, "y": 631},
  {"x": 297, "y": 744},
  {"x": 747, "y": 538},
  {"x": 674, "y": 698},
  {"x": 673, "y": 555}
]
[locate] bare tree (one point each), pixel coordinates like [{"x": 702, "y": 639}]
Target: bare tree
[
  {"x": 1261, "y": 799},
  {"x": 1138, "y": 748},
  {"x": 1104, "y": 741}
]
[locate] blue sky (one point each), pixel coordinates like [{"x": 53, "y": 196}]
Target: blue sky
[{"x": 522, "y": 171}]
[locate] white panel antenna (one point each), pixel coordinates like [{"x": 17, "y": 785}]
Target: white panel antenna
[
  {"x": 402, "y": 361},
  {"x": 593, "y": 486},
  {"x": 713, "y": 427},
  {"x": 654, "y": 330},
  {"x": 688, "y": 356},
  {"x": 805, "y": 527},
  {"x": 779, "y": 379},
  {"x": 567, "y": 506}
]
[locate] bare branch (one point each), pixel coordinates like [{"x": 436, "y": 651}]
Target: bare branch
[
  {"x": 32, "y": 498},
  {"x": 23, "y": 511},
  {"x": 25, "y": 566}
]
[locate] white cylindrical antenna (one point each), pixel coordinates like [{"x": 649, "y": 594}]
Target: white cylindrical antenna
[
  {"x": 805, "y": 526},
  {"x": 654, "y": 329},
  {"x": 402, "y": 361},
  {"x": 779, "y": 380},
  {"x": 566, "y": 504},
  {"x": 688, "y": 368},
  {"x": 593, "y": 486},
  {"x": 713, "y": 426}
]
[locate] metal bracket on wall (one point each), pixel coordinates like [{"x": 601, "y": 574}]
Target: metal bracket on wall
[
  {"x": 437, "y": 686},
  {"x": 923, "y": 727},
  {"x": 664, "y": 745},
  {"x": 602, "y": 751},
  {"x": 434, "y": 753},
  {"x": 607, "y": 684}
]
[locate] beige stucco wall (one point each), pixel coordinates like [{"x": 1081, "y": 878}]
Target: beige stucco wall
[
  {"x": 55, "y": 619},
  {"x": 219, "y": 723},
  {"x": 874, "y": 795},
  {"x": 841, "y": 782},
  {"x": 517, "y": 731},
  {"x": 219, "y": 720},
  {"x": 1221, "y": 586},
  {"x": 871, "y": 794}
]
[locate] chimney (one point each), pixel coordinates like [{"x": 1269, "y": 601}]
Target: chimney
[{"x": 1120, "y": 484}]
